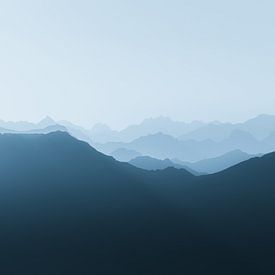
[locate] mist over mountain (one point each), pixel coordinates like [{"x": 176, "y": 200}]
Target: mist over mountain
[
  {"x": 102, "y": 133},
  {"x": 74, "y": 210},
  {"x": 149, "y": 163},
  {"x": 162, "y": 146},
  {"x": 123, "y": 154},
  {"x": 260, "y": 127},
  {"x": 163, "y": 138},
  {"x": 46, "y": 130},
  {"x": 143, "y": 140},
  {"x": 214, "y": 165},
  {"x": 23, "y": 126}
]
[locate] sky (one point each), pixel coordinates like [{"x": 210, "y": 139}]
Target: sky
[{"x": 119, "y": 62}]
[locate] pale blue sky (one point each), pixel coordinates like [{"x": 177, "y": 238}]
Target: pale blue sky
[{"x": 121, "y": 61}]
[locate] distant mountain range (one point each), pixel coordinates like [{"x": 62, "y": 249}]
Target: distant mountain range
[
  {"x": 163, "y": 138},
  {"x": 162, "y": 146},
  {"x": 68, "y": 209},
  {"x": 24, "y": 126},
  {"x": 214, "y": 165},
  {"x": 46, "y": 130},
  {"x": 148, "y": 163},
  {"x": 260, "y": 127},
  {"x": 206, "y": 166}
]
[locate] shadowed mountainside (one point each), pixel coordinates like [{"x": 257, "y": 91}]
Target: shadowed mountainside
[{"x": 68, "y": 209}]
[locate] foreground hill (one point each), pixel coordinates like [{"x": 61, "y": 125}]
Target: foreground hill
[{"x": 68, "y": 209}]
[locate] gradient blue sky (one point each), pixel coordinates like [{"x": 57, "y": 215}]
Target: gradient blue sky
[{"x": 121, "y": 61}]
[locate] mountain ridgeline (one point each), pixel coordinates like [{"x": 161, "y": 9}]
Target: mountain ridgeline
[
  {"x": 68, "y": 209},
  {"x": 163, "y": 138}
]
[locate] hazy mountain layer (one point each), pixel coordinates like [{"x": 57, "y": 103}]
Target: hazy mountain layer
[
  {"x": 162, "y": 146},
  {"x": 259, "y": 127},
  {"x": 148, "y": 163},
  {"x": 214, "y": 165}
]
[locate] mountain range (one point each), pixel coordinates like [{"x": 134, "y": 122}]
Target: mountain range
[
  {"x": 162, "y": 146},
  {"x": 163, "y": 138},
  {"x": 259, "y": 127},
  {"x": 206, "y": 166},
  {"x": 68, "y": 209},
  {"x": 214, "y": 165}
]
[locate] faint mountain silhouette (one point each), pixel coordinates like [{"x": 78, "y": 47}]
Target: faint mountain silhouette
[
  {"x": 149, "y": 163},
  {"x": 214, "y": 165},
  {"x": 162, "y": 146},
  {"x": 48, "y": 129},
  {"x": 123, "y": 154},
  {"x": 260, "y": 127},
  {"x": 23, "y": 126},
  {"x": 102, "y": 133}
]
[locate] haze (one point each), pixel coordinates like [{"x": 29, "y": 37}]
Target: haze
[{"x": 119, "y": 62}]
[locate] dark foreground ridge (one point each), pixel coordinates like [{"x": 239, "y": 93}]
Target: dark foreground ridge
[{"x": 68, "y": 209}]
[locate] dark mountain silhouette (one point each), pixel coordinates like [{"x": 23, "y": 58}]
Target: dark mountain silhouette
[
  {"x": 68, "y": 209},
  {"x": 214, "y": 165}
]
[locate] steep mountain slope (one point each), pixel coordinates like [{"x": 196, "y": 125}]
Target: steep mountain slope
[{"x": 67, "y": 209}]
